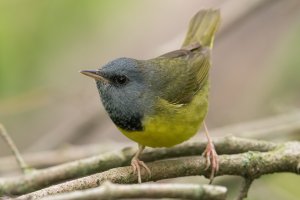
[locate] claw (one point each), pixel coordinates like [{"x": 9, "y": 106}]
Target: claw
[
  {"x": 211, "y": 156},
  {"x": 211, "y": 160},
  {"x": 145, "y": 167},
  {"x": 137, "y": 164}
]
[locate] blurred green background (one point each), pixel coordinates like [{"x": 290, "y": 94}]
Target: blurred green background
[{"x": 45, "y": 103}]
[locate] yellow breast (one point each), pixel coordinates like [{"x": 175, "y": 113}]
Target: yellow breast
[{"x": 172, "y": 124}]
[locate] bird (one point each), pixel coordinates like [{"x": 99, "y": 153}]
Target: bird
[{"x": 163, "y": 101}]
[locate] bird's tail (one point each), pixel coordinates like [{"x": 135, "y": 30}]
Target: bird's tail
[{"x": 202, "y": 28}]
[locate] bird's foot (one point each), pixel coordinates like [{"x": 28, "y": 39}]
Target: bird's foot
[
  {"x": 137, "y": 164},
  {"x": 211, "y": 159}
]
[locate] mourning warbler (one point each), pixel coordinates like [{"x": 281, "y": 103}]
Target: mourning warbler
[{"x": 162, "y": 101}]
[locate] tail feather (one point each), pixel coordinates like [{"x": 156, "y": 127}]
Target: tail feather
[{"x": 202, "y": 28}]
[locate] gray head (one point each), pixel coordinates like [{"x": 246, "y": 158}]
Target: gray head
[{"x": 123, "y": 90}]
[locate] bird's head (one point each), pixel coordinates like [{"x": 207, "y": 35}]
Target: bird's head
[{"x": 122, "y": 88}]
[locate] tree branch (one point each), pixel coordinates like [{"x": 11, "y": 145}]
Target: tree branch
[
  {"x": 42, "y": 178},
  {"x": 55, "y": 157},
  {"x": 114, "y": 191},
  {"x": 13, "y": 149},
  {"x": 284, "y": 158},
  {"x": 247, "y": 182}
]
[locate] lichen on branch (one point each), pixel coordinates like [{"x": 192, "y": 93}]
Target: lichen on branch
[
  {"x": 250, "y": 164},
  {"x": 42, "y": 178}
]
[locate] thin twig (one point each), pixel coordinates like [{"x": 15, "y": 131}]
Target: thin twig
[
  {"x": 42, "y": 178},
  {"x": 247, "y": 182},
  {"x": 285, "y": 158},
  {"x": 13, "y": 149},
  {"x": 55, "y": 157},
  {"x": 278, "y": 127},
  {"x": 153, "y": 191}
]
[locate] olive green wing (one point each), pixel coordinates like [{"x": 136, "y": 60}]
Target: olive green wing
[
  {"x": 181, "y": 74},
  {"x": 184, "y": 72}
]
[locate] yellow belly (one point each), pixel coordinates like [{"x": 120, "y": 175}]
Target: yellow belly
[{"x": 173, "y": 124}]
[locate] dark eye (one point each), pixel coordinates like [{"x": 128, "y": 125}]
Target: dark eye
[{"x": 120, "y": 80}]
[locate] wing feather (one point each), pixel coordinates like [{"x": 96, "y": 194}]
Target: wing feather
[{"x": 181, "y": 74}]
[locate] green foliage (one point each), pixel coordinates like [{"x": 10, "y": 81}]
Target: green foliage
[{"x": 30, "y": 31}]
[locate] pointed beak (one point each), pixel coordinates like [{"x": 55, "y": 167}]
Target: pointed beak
[{"x": 93, "y": 74}]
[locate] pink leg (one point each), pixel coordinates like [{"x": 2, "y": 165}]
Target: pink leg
[
  {"x": 137, "y": 164},
  {"x": 211, "y": 155}
]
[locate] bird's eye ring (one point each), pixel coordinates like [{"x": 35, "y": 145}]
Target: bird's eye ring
[{"x": 121, "y": 80}]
